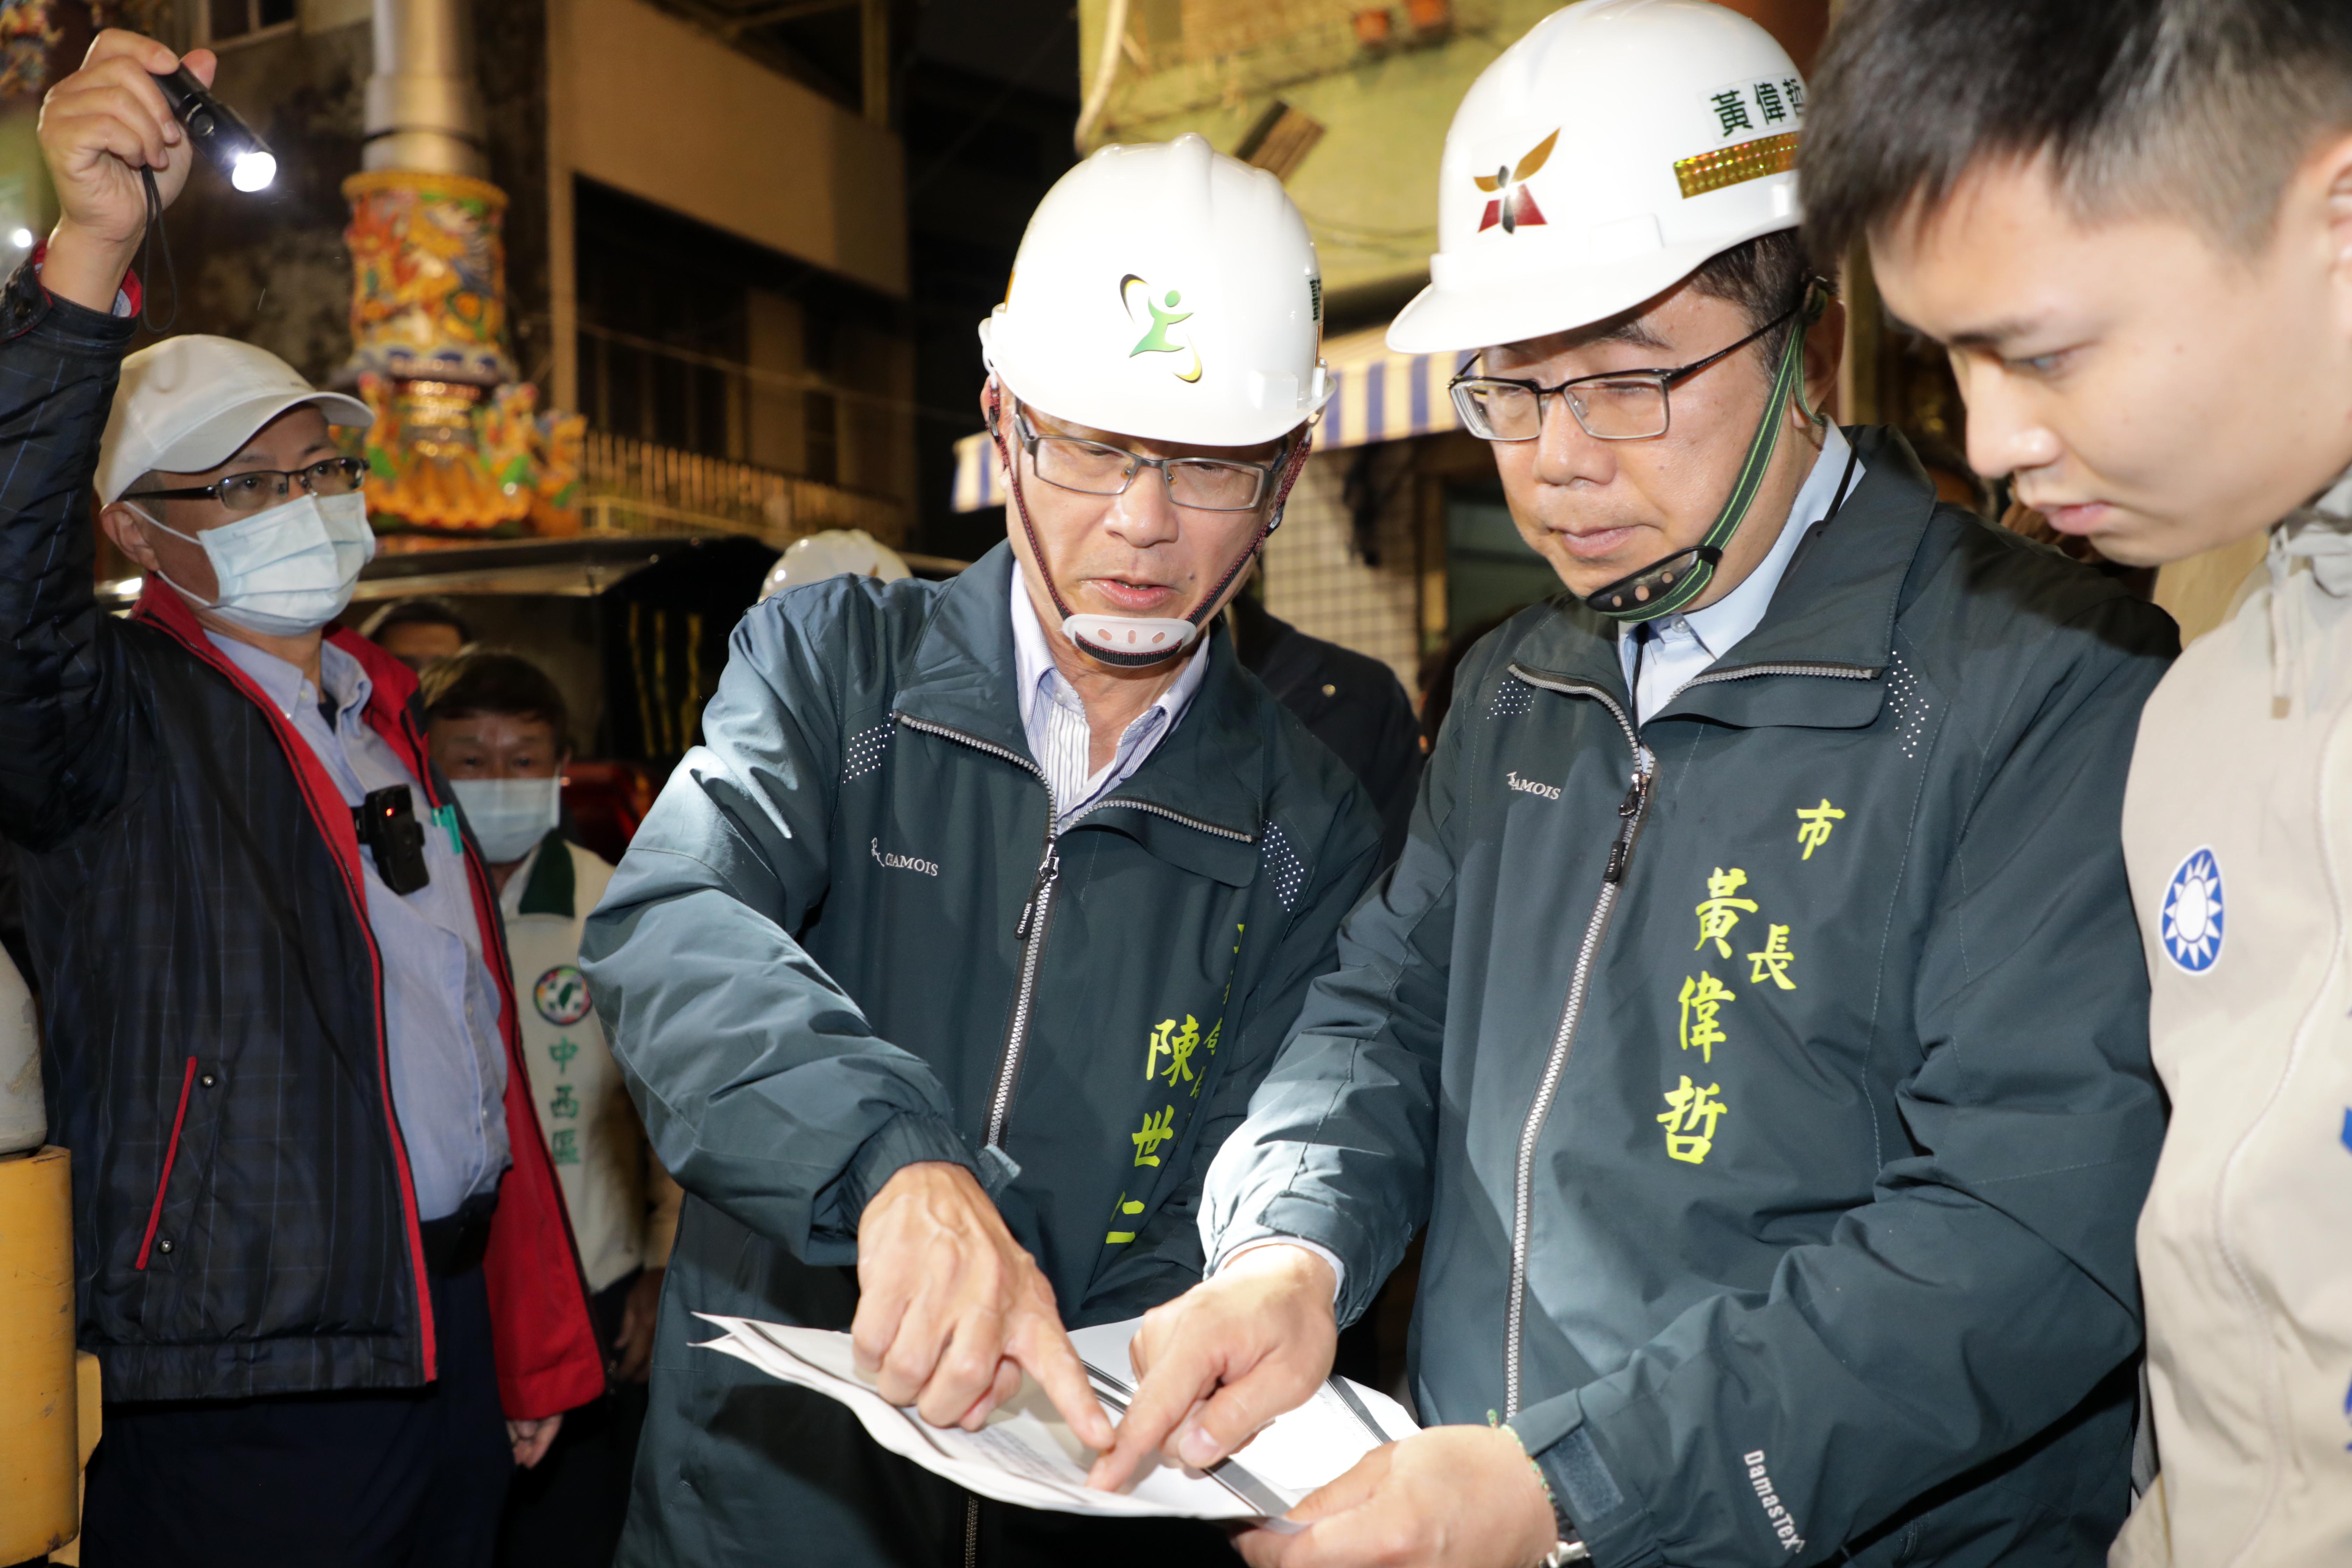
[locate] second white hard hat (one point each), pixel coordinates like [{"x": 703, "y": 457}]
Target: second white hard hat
[
  {"x": 1600, "y": 160},
  {"x": 1168, "y": 293},
  {"x": 834, "y": 553}
]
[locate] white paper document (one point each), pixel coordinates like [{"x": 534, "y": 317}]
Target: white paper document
[{"x": 1027, "y": 1454}]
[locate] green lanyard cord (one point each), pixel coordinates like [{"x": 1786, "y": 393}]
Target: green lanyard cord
[{"x": 1666, "y": 586}]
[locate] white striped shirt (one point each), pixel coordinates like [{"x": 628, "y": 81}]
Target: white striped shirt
[{"x": 1055, "y": 719}]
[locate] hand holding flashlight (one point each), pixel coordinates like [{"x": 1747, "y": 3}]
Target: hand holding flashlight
[
  {"x": 218, "y": 131},
  {"x": 100, "y": 128}
]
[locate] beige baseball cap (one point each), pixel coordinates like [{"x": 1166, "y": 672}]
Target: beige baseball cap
[{"x": 188, "y": 403}]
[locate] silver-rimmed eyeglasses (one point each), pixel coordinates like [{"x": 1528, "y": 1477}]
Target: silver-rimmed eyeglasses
[{"x": 1096, "y": 469}]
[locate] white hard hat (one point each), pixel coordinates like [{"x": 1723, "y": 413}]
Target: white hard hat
[
  {"x": 1601, "y": 159},
  {"x": 834, "y": 552},
  {"x": 1168, "y": 293},
  {"x": 187, "y": 403}
]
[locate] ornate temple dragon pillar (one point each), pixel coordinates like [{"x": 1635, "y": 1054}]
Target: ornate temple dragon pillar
[{"x": 459, "y": 445}]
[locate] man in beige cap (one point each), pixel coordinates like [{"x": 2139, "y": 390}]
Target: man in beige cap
[{"x": 319, "y": 1249}]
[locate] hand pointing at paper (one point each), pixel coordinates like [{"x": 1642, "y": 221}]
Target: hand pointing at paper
[
  {"x": 952, "y": 1310},
  {"x": 1225, "y": 1358}
]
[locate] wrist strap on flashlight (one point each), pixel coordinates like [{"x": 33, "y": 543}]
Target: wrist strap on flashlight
[
  {"x": 1668, "y": 584},
  {"x": 147, "y": 262}
]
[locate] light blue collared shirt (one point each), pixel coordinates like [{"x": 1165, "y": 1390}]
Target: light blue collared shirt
[
  {"x": 1681, "y": 646},
  {"x": 440, "y": 1005},
  {"x": 1055, "y": 719}
]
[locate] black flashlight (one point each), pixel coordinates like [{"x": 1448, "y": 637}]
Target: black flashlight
[{"x": 219, "y": 133}]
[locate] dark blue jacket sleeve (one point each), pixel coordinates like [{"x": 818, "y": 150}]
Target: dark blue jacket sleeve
[
  {"x": 63, "y": 731},
  {"x": 764, "y": 1088},
  {"x": 1340, "y": 1145}
]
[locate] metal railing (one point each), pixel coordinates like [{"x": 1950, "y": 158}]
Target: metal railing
[{"x": 629, "y": 486}]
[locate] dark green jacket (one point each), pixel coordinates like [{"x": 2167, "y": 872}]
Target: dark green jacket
[
  {"x": 810, "y": 963},
  {"x": 1840, "y": 1089}
]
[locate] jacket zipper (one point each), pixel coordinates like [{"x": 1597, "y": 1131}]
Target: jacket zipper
[
  {"x": 1829, "y": 671},
  {"x": 1630, "y": 813},
  {"x": 1030, "y": 933},
  {"x": 1029, "y": 930}
]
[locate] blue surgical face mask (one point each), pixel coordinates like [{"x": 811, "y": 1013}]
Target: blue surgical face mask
[
  {"x": 286, "y": 571},
  {"x": 509, "y": 815}
]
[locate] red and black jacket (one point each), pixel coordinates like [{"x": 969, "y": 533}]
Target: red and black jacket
[{"x": 244, "y": 1218}]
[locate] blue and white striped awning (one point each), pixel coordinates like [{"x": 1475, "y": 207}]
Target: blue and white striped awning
[{"x": 1377, "y": 395}]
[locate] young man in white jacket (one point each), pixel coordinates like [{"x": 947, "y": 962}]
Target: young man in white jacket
[{"x": 2131, "y": 223}]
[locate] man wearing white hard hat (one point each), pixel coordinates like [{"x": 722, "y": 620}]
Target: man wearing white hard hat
[
  {"x": 319, "y": 1250},
  {"x": 943, "y": 967},
  {"x": 1755, "y": 1021}
]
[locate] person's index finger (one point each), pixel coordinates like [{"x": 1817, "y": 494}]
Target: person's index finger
[
  {"x": 1054, "y": 1362},
  {"x": 141, "y": 79},
  {"x": 1167, "y": 1396}
]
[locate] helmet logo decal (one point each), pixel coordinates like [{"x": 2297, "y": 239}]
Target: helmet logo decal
[
  {"x": 1514, "y": 205},
  {"x": 1157, "y": 340}
]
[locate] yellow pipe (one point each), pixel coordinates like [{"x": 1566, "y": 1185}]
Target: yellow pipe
[{"x": 40, "y": 1419}]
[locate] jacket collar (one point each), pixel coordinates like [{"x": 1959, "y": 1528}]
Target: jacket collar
[
  {"x": 391, "y": 684},
  {"x": 553, "y": 887},
  {"x": 1819, "y": 657},
  {"x": 1211, "y": 768}
]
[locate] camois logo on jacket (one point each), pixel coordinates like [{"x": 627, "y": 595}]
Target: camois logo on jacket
[
  {"x": 891, "y": 862},
  {"x": 1530, "y": 787},
  {"x": 2190, "y": 925}
]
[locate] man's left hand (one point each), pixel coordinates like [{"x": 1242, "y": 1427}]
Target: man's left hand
[
  {"x": 1460, "y": 1497},
  {"x": 531, "y": 1438}
]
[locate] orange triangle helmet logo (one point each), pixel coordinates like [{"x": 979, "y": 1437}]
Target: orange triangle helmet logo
[{"x": 1513, "y": 205}]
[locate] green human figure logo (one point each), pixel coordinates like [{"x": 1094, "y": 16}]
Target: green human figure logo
[
  {"x": 1133, "y": 291},
  {"x": 1155, "y": 341}
]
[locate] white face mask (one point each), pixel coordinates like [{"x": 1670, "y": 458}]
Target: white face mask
[
  {"x": 286, "y": 571},
  {"x": 509, "y": 815}
]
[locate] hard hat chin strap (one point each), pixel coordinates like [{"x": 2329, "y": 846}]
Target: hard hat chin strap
[
  {"x": 1135, "y": 640},
  {"x": 1670, "y": 582}
]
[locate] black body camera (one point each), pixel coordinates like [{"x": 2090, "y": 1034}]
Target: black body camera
[{"x": 386, "y": 821}]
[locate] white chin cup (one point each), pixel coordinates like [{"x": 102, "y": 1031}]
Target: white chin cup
[{"x": 1130, "y": 639}]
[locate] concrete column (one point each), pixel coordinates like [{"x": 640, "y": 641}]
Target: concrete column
[{"x": 424, "y": 108}]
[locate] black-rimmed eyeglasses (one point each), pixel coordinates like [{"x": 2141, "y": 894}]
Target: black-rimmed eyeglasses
[
  {"x": 261, "y": 488},
  {"x": 1617, "y": 405}
]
